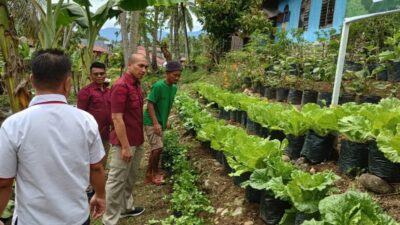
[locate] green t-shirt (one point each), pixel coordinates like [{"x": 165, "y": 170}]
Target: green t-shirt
[{"x": 162, "y": 96}]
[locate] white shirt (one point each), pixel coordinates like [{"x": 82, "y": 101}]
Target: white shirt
[{"x": 48, "y": 148}]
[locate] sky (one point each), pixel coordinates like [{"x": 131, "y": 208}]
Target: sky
[{"x": 111, "y": 23}]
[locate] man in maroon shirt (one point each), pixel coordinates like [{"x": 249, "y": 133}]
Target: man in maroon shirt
[
  {"x": 126, "y": 138},
  {"x": 95, "y": 99}
]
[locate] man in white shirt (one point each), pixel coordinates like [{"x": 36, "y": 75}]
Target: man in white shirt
[{"x": 52, "y": 150}]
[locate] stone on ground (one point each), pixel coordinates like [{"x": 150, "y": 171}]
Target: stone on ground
[{"x": 375, "y": 184}]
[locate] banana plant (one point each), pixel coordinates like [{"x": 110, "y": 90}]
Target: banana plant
[
  {"x": 95, "y": 21},
  {"x": 13, "y": 62},
  {"x": 92, "y": 23}
]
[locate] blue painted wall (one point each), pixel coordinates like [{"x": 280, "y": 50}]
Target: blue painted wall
[{"x": 315, "y": 13}]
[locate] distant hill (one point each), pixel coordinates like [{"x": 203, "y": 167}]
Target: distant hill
[{"x": 109, "y": 33}]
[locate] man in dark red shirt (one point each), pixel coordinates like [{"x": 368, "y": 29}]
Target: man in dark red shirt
[
  {"x": 127, "y": 138},
  {"x": 95, "y": 99}
]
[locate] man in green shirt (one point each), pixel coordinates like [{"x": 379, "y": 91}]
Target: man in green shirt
[{"x": 159, "y": 104}]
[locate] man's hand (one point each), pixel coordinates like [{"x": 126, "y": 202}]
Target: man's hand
[
  {"x": 157, "y": 129},
  {"x": 126, "y": 154},
  {"x": 97, "y": 206}
]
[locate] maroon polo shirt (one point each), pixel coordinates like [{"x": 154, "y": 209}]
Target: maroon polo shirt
[
  {"x": 97, "y": 102},
  {"x": 127, "y": 98}
]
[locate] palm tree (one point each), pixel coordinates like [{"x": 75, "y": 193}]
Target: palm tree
[
  {"x": 180, "y": 15},
  {"x": 175, "y": 19},
  {"x": 187, "y": 9},
  {"x": 154, "y": 31}
]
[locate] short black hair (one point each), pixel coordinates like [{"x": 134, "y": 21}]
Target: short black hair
[
  {"x": 97, "y": 65},
  {"x": 49, "y": 68}
]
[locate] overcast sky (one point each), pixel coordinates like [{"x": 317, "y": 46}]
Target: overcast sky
[{"x": 111, "y": 23}]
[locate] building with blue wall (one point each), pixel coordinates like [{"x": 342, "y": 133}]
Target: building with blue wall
[{"x": 312, "y": 16}]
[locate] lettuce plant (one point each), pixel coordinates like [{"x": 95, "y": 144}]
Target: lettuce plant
[
  {"x": 293, "y": 122},
  {"x": 321, "y": 120},
  {"x": 304, "y": 190},
  {"x": 273, "y": 167},
  {"x": 351, "y": 208}
]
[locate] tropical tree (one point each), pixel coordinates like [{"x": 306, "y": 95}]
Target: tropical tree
[
  {"x": 105, "y": 12},
  {"x": 130, "y": 34},
  {"x": 187, "y": 9},
  {"x": 13, "y": 76},
  {"x": 222, "y": 19},
  {"x": 23, "y": 13},
  {"x": 52, "y": 17},
  {"x": 154, "y": 32},
  {"x": 92, "y": 23}
]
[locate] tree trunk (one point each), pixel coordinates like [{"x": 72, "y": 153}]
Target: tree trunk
[
  {"x": 176, "y": 33},
  {"x": 124, "y": 37},
  {"x": 14, "y": 68},
  {"x": 187, "y": 47},
  {"x": 165, "y": 51},
  {"x": 67, "y": 35},
  {"x": 134, "y": 31},
  {"x": 146, "y": 42},
  {"x": 154, "y": 41},
  {"x": 171, "y": 32},
  {"x": 160, "y": 33}
]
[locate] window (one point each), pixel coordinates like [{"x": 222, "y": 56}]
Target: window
[
  {"x": 327, "y": 12},
  {"x": 286, "y": 14},
  {"x": 304, "y": 14},
  {"x": 285, "y": 17}
]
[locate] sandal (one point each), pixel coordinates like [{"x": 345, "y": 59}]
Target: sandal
[{"x": 158, "y": 180}]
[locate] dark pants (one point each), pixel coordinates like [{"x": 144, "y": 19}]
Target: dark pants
[{"x": 85, "y": 223}]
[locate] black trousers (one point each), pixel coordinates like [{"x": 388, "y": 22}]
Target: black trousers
[{"x": 85, "y": 223}]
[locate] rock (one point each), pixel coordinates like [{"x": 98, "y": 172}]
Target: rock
[
  {"x": 238, "y": 211},
  {"x": 224, "y": 212},
  {"x": 304, "y": 167},
  {"x": 217, "y": 164},
  {"x": 285, "y": 158},
  {"x": 219, "y": 210},
  {"x": 312, "y": 170},
  {"x": 238, "y": 201},
  {"x": 206, "y": 183},
  {"x": 300, "y": 161},
  {"x": 248, "y": 223},
  {"x": 375, "y": 184}
]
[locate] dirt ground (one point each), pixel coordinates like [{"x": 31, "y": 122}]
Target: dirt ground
[
  {"x": 226, "y": 198},
  {"x": 155, "y": 199},
  {"x": 390, "y": 203}
]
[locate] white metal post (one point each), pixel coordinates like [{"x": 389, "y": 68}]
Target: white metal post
[
  {"x": 343, "y": 47},
  {"x": 340, "y": 63}
]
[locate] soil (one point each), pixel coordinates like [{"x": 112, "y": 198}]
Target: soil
[
  {"x": 155, "y": 199},
  {"x": 390, "y": 203},
  {"x": 227, "y": 198}
]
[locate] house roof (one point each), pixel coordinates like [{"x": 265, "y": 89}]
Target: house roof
[
  {"x": 141, "y": 50},
  {"x": 100, "y": 49},
  {"x": 96, "y": 49}
]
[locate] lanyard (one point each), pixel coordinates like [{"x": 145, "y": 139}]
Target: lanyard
[{"x": 50, "y": 102}]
